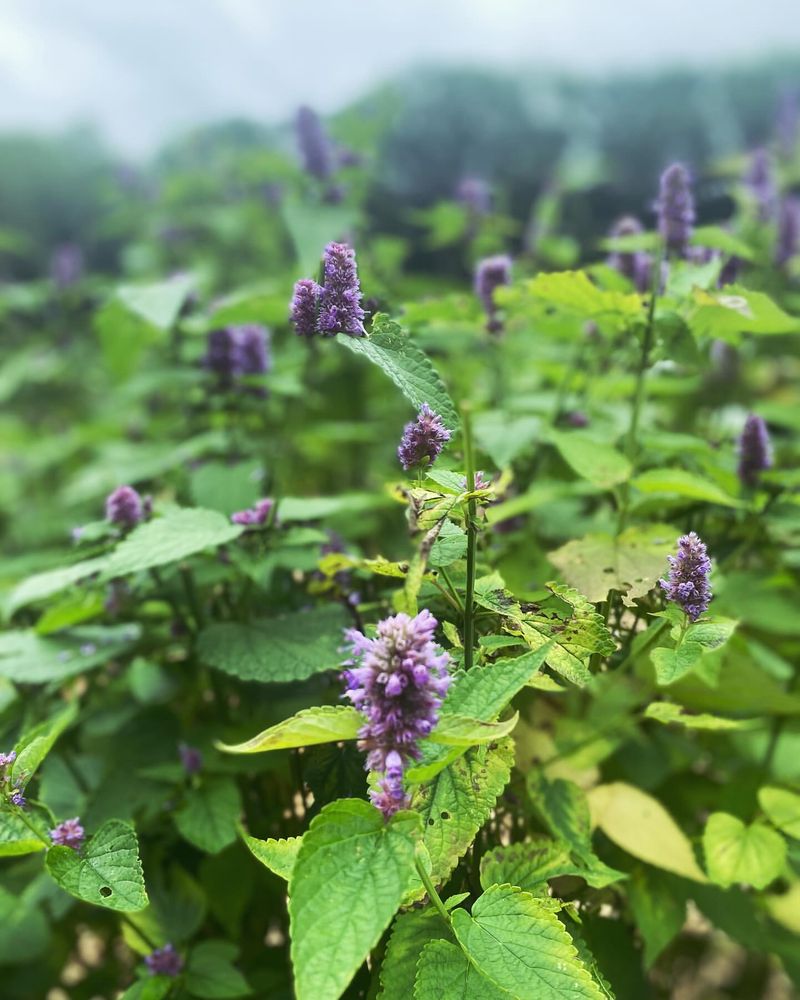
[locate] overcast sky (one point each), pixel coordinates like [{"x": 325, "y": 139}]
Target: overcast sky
[{"x": 142, "y": 69}]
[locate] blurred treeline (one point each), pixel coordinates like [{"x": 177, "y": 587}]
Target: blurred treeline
[{"x": 600, "y": 142}]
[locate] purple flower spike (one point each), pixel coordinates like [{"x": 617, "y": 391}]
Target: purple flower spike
[
  {"x": 490, "y": 274},
  {"x": 398, "y": 680},
  {"x": 788, "y": 230},
  {"x": 755, "y": 450},
  {"x": 316, "y": 149},
  {"x": 16, "y": 798},
  {"x": 6, "y": 759},
  {"x": 254, "y": 349},
  {"x": 761, "y": 184},
  {"x": 340, "y": 300},
  {"x": 235, "y": 351},
  {"x": 66, "y": 265},
  {"x": 423, "y": 439},
  {"x": 124, "y": 507},
  {"x": 475, "y": 195},
  {"x": 254, "y": 515},
  {"x": 634, "y": 265},
  {"x": 191, "y": 758},
  {"x": 688, "y": 584},
  {"x": 70, "y": 833},
  {"x": 164, "y": 961},
  {"x": 675, "y": 208},
  {"x": 305, "y": 306}
]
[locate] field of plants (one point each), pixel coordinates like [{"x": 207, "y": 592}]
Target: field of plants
[{"x": 402, "y": 611}]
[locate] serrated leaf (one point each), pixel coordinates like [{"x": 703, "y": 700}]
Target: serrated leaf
[
  {"x": 522, "y": 947},
  {"x": 35, "y": 744},
  {"x": 459, "y": 800},
  {"x": 107, "y": 872},
  {"x": 485, "y": 691},
  {"x": 450, "y": 545},
  {"x": 445, "y": 973},
  {"x": 209, "y": 816},
  {"x": 573, "y": 292},
  {"x": 530, "y": 864},
  {"x": 180, "y": 533},
  {"x": 393, "y": 351},
  {"x": 667, "y": 713},
  {"x": 323, "y": 724},
  {"x": 16, "y": 837},
  {"x": 735, "y": 852},
  {"x": 351, "y": 874},
  {"x": 700, "y": 638},
  {"x": 274, "y": 650},
  {"x": 591, "y": 458},
  {"x": 411, "y": 931},
  {"x": 640, "y": 825},
  {"x": 277, "y": 855},
  {"x": 735, "y": 310},
  {"x": 631, "y": 563},
  {"x": 28, "y": 658},
  {"x": 461, "y": 731},
  {"x": 783, "y": 809},
  {"x": 680, "y": 483}
]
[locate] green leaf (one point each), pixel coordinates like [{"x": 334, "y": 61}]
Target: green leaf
[
  {"x": 735, "y": 852},
  {"x": 592, "y": 458},
  {"x": 522, "y": 947},
  {"x": 573, "y": 292},
  {"x": 674, "y": 663},
  {"x": 450, "y": 545},
  {"x": 351, "y": 874},
  {"x": 640, "y": 825},
  {"x": 680, "y": 483},
  {"x": 42, "y": 585},
  {"x": 209, "y": 816},
  {"x": 393, "y": 351},
  {"x": 107, "y": 873},
  {"x": 667, "y": 713},
  {"x": 275, "y": 650},
  {"x": 37, "y": 743},
  {"x": 460, "y": 731},
  {"x": 783, "y": 809},
  {"x": 658, "y": 902},
  {"x": 312, "y": 226},
  {"x": 277, "y": 855},
  {"x": 24, "y": 931},
  {"x": 411, "y": 931},
  {"x": 16, "y": 837},
  {"x": 459, "y": 800},
  {"x": 323, "y": 724},
  {"x": 28, "y": 658},
  {"x": 210, "y": 973},
  {"x": 734, "y": 310},
  {"x": 503, "y": 436},
  {"x": 530, "y": 864},
  {"x": 484, "y": 692},
  {"x": 178, "y": 534},
  {"x": 564, "y": 808},
  {"x": 158, "y": 303},
  {"x": 151, "y": 988},
  {"x": 631, "y": 563},
  {"x": 444, "y": 972}
]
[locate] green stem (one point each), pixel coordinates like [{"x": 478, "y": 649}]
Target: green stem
[
  {"x": 472, "y": 539},
  {"x": 20, "y": 813},
  {"x": 430, "y": 888},
  {"x": 187, "y": 578},
  {"x": 454, "y": 593}
]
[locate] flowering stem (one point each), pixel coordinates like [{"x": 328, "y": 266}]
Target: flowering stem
[
  {"x": 472, "y": 539},
  {"x": 430, "y": 888}
]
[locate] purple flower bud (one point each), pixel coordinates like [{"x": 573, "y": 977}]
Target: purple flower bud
[
  {"x": 164, "y": 961},
  {"x": 340, "y": 299},
  {"x": 675, "y": 208},
  {"x": 305, "y": 306},
  {"x": 577, "y": 418},
  {"x": 16, "y": 798},
  {"x": 490, "y": 274},
  {"x": 124, "y": 507},
  {"x": 761, "y": 184},
  {"x": 688, "y": 585},
  {"x": 423, "y": 439},
  {"x": 66, "y": 265},
  {"x": 316, "y": 150},
  {"x": 398, "y": 680},
  {"x": 755, "y": 450},
  {"x": 634, "y": 265},
  {"x": 191, "y": 758},
  {"x": 6, "y": 759},
  {"x": 254, "y": 349},
  {"x": 475, "y": 195},
  {"x": 236, "y": 351},
  {"x": 255, "y": 515},
  {"x": 70, "y": 833},
  {"x": 788, "y": 230}
]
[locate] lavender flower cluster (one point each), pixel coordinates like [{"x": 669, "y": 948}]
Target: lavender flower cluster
[
  {"x": 688, "y": 581},
  {"x": 255, "y": 515},
  {"x": 423, "y": 439},
  {"x": 335, "y": 305},
  {"x": 10, "y": 790},
  {"x": 125, "y": 507},
  {"x": 70, "y": 833},
  {"x": 398, "y": 680},
  {"x": 675, "y": 207},
  {"x": 164, "y": 961},
  {"x": 316, "y": 149},
  {"x": 490, "y": 274},
  {"x": 755, "y": 450},
  {"x": 234, "y": 352}
]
